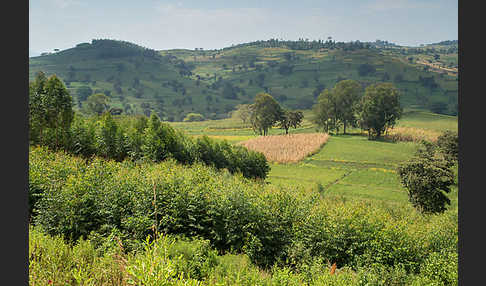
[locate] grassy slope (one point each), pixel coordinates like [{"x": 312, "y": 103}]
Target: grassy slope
[{"x": 295, "y": 90}]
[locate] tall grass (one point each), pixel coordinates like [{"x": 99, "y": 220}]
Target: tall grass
[
  {"x": 287, "y": 148},
  {"x": 411, "y": 134}
]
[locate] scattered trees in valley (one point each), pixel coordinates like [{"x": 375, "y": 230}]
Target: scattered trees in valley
[
  {"x": 338, "y": 106},
  {"x": 376, "y": 111}
]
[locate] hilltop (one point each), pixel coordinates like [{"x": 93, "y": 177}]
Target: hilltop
[{"x": 212, "y": 82}]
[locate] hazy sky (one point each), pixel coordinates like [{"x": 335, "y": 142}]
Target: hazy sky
[{"x": 210, "y": 24}]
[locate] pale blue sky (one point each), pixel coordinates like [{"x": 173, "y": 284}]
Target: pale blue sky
[{"x": 190, "y": 24}]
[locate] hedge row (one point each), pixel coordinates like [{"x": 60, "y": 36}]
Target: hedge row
[
  {"x": 76, "y": 198},
  {"x": 145, "y": 138}
]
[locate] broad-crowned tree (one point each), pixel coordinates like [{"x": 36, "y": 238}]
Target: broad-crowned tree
[
  {"x": 265, "y": 113},
  {"x": 379, "y": 109}
]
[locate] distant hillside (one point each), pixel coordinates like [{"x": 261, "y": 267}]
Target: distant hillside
[
  {"x": 212, "y": 82},
  {"x": 446, "y": 43}
]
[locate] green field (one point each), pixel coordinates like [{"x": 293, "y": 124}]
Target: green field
[{"x": 348, "y": 165}]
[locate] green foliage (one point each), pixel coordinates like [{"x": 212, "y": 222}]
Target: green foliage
[
  {"x": 325, "y": 111},
  {"x": 379, "y": 109},
  {"x": 337, "y": 106},
  {"x": 191, "y": 117},
  {"x": 290, "y": 119},
  {"x": 50, "y": 111},
  {"x": 159, "y": 139},
  {"x": 448, "y": 144},
  {"x": 428, "y": 178},
  {"x": 138, "y": 138},
  {"x": 265, "y": 113},
  {"x": 271, "y": 225},
  {"x": 347, "y": 94},
  {"x": 109, "y": 139},
  {"x": 96, "y": 104},
  {"x": 114, "y": 65}
]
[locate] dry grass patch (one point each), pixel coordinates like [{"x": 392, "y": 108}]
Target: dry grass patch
[
  {"x": 287, "y": 148},
  {"x": 410, "y": 134}
]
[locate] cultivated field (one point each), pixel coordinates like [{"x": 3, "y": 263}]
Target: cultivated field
[
  {"x": 350, "y": 165},
  {"x": 287, "y": 148},
  {"x": 412, "y": 134}
]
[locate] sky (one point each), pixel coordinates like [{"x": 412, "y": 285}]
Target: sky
[{"x": 215, "y": 24}]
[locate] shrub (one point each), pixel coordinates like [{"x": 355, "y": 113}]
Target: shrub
[
  {"x": 191, "y": 117},
  {"x": 427, "y": 179},
  {"x": 448, "y": 144},
  {"x": 440, "y": 268},
  {"x": 158, "y": 140},
  {"x": 274, "y": 226}
]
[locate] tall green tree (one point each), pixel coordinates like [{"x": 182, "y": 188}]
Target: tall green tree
[
  {"x": 109, "y": 138},
  {"x": 50, "y": 109},
  {"x": 37, "y": 116},
  {"x": 379, "y": 109},
  {"x": 159, "y": 140},
  {"x": 347, "y": 94},
  {"x": 265, "y": 113},
  {"x": 326, "y": 111}
]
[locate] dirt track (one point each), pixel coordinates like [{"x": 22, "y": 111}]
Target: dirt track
[{"x": 451, "y": 70}]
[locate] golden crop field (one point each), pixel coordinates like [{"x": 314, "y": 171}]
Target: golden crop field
[
  {"x": 411, "y": 134},
  {"x": 287, "y": 148}
]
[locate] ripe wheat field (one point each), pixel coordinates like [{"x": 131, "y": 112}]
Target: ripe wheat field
[{"x": 287, "y": 148}]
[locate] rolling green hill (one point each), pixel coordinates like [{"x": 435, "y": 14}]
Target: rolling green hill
[{"x": 212, "y": 82}]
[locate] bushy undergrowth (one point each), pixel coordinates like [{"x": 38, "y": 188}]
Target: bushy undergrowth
[
  {"x": 171, "y": 260},
  {"x": 150, "y": 139},
  {"x": 95, "y": 198}
]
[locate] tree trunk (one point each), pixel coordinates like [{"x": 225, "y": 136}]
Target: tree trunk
[{"x": 344, "y": 130}]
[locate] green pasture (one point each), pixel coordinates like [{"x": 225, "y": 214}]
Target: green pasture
[
  {"x": 428, "y": 120},
  {"x": 348, "y": 165}
]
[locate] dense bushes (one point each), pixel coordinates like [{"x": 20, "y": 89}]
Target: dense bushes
[
  {"x": 428, "y": 176},
  {"x": 150, "y": 139},
  {"x": 171, "y": 260},
  {"x": 75, "y": 198}
]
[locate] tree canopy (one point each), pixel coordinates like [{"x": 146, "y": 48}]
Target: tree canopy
[
  {"x": 379, "y": 109},
  {"x": 289, "y": 119},
  {"x": 338, "y": 106},
  {"x": 96, "y": 104},
  {"x": 50, "y": 109},
  {"x": 265, "y": 113}
]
